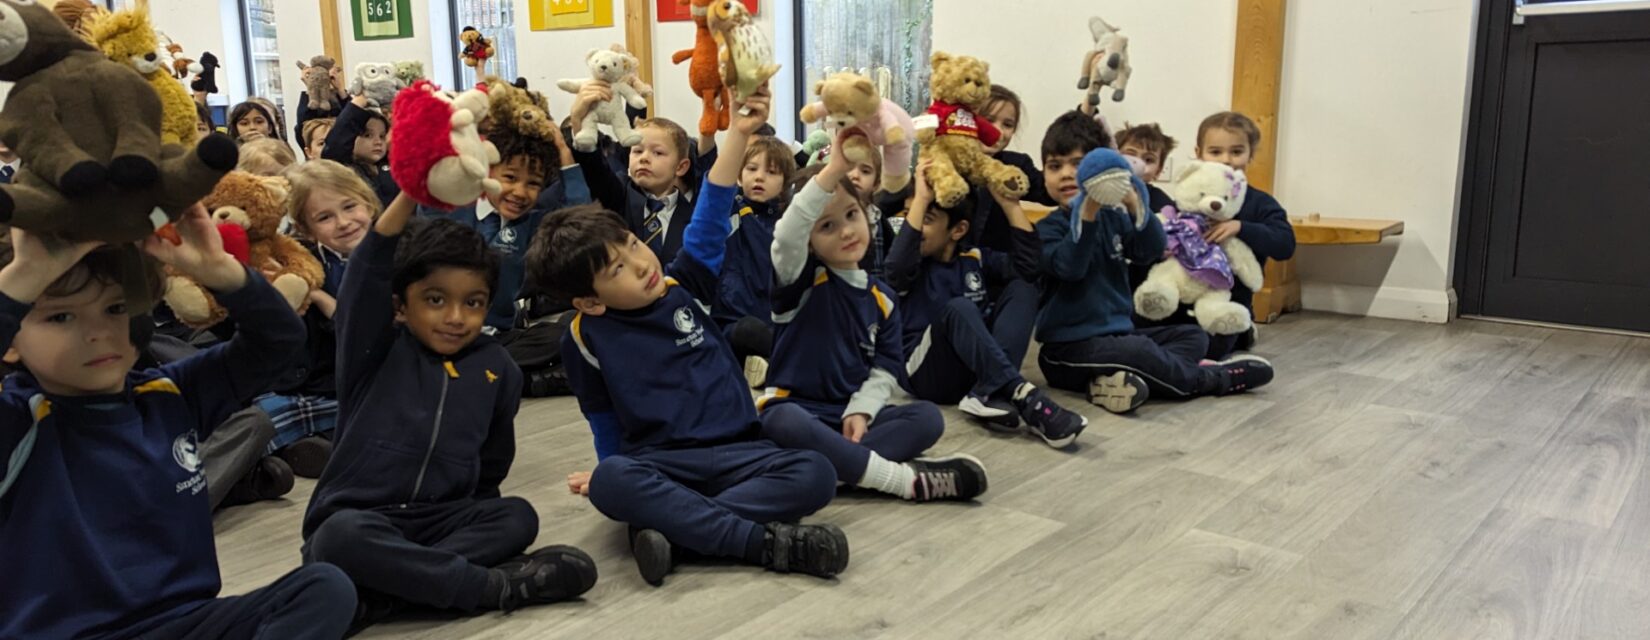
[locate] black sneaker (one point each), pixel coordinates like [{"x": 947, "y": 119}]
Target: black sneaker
[
  {"x": 815, "y": 549},
  {"x": 995, "y": 414},
  {"x": 1243, "y": 373},
  {"x": 958, "y": 476},
  {"x": 653, "y": 556},
  {"x": 1119, "y": 391},
  {"x": 551, "y": 574},
  {"x": 271, "y": 478},
  {"x": 548, "y": 382},
  {"x": 1056, "y": 425},
  {"x": 307, "y": 457}
]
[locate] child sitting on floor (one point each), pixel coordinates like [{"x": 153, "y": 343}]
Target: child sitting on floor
[
  {"x": 359, "y": 139},
  {"x": 838, "y": 355},
  {"x": 742, "y": 308}
]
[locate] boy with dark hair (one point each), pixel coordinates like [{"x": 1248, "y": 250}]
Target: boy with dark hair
[
  {"x": 1152, "y": 146},
  {"x": 961, "y": 345},
  {"x": 104, "y": 515},
  {"x": 742, "y": 308},
  {"x": 360, "y": 139},
  {"x": 676, "y": 435},
  {"x": 838, "y": 354},
  {"x": 409, "y": 505},
  {"x": 1089, "y": 341}
]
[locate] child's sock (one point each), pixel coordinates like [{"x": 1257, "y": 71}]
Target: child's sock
[{"x": 888, "y": 477}]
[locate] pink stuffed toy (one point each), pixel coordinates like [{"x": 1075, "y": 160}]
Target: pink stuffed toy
[
  {"x": 850, "y": 101},
  {"x": 437, "y": 154}
]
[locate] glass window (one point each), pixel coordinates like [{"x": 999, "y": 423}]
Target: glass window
[
  {"x": 495, "y": 19},
  {"x": 263, "y": 58},
  {"x": 887, "y": 40}
]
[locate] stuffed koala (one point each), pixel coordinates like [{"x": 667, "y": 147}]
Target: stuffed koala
[
  {"x": 88, "y": 132},
  {"x": 256, "y": 205},
  {"x": 611, "y": 67},
  {"x": 1199, "y": 273},
  {"x": 438, "y": 156},
  {"x": 317, "y": 77},
  {"x": 376, "y": 81},
  {"x": 850, "y": 101},
  {"x": 954, "y": 137}
]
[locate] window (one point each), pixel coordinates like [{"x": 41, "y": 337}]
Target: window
[
  {"x": 495, "y": 19},
  {"x": 887, "y": 40},
  {"x": 263, "y": 59}
]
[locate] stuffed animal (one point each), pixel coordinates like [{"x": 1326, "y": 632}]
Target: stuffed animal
[
  {"x": 376, "y": 81},
  {"x": 181, "y": 66},
  {"x": 127, "y": 37},
  {"x": 477, "y": 49},
  {"x": 206, "y": 80},
  {"x": 256, "y": 205},
  {"x": 954, "y": 138},
  {"x": 436, "y": 151},
  {"x": 317, "y": 76},
  {"x": 409, "y": 72},
  {"x": 609, "y": 67},
  {"x": 1198, "y": 273},
  {"x": 745, "y": 53},
  {"x": 1108, "y": 64},
  {"x": 633, "y": 78},
  {"x": 512, "y": 107},
  {"x": 88, "y": 132},
  {"x": 71, "y": 11},
  {"x": 850, "y": 101},
  {"x": 1106, "y": 176},
  {"x": 705, "y": 74},
  {"x": 817, "y": 147}
]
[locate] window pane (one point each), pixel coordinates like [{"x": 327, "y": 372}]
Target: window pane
[
  {"x": 266, "y": 58},
  {"x": 888, "y": 40},
  {"x": 496, "y": 19}
]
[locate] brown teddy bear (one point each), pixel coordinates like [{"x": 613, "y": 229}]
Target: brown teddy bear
[
  {"x": 88, "y": 132},
  {"x": 850, "y": 101},
  {"x": 954, "y": 137},
  {"x": 256, "y": 204},
  {"x": 512, "y": 108}
]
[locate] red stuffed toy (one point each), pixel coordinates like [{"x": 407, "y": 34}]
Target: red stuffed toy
[{"x": 437, "y": 154}]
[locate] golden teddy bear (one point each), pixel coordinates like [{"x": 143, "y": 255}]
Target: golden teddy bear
[
  {"x": 258, "y": 205},
  {"x": 954, "y": 137}
]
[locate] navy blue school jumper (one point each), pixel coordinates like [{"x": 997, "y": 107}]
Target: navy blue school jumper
[
  {"x": 957, "y": 340},
  {"x": 658, "y": 222},
  {"x": 743, "y": 309},
  {"x": 1085, "y": 321},
  {"x": 104, "y": 516},
  {"x": 305, "y": 114},
  {"x": 837, "y": 352},
  {"x": 409, "y": 506},
  {"x": 1267, "y": 231},
  {"x": 990, "y": 228},
  {"x": 340, "y": 148},
  {"x": 676, "y": 431}
]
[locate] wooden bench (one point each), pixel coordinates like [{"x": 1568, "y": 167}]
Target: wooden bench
[{"x": 1282, "y": 292}]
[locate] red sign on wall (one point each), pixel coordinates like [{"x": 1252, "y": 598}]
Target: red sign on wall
[{"x": 677, "y": 11}]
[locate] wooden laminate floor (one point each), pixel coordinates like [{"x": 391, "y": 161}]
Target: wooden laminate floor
[{"x": 1398, "y": 480}]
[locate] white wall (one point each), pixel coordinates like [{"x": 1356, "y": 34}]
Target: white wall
[{"x": 1371, "y": 115}]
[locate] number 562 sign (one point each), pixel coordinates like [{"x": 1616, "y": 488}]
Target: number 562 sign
[{"x": 381, "y": 19}]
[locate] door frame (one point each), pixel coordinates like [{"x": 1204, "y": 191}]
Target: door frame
[{"x": 1488, "y": 89}]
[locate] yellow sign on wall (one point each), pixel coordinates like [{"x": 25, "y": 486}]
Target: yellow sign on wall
[{"x": 551, "y": 15}]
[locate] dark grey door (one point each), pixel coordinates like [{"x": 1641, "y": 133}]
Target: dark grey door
[{"x": 1558, "y": 175}]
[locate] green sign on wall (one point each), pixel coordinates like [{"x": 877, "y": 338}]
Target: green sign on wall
[{"x": 381, "y": 19}]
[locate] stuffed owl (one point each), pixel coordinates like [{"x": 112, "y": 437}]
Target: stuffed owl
[{"x": 376, "y": 81}]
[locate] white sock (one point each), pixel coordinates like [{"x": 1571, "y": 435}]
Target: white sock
[
  {"x": 1023, "y": 390},
  {"x": 889, "y": 477}
]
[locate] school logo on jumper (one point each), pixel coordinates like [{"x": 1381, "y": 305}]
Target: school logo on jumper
[
  {"x": 186, "y": 453},
  {"x": 693, "y": 334},
  {"x": 507, "y": 235},
  {"x": 1117, "y": 246},
  {"x": 972, "y": 279},
  {"x": 869, "y": 346}
]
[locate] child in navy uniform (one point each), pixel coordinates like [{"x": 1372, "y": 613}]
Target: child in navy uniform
[
  {"x": 1089, "y": 342},
  {"x": 676, "y": 433},
  {"x": 960, "y": 345},
  {"x": 742, "y": 307},
  {"x": 359, "y": 139},
  {"x": 104, "y": 515},
  {"x": 409, "y": 505},
  {"x": 990, "y": 227},
  {"x": 1152, "y": 147},
  {"x": 838, "y": 354}
]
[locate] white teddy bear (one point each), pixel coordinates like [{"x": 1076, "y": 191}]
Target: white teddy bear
[
  {"x": 610, "y": 67},
  {"x": 1199, "y": 273}
]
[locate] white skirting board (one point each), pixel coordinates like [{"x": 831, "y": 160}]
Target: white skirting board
[{"x": 1398, "y": 303}]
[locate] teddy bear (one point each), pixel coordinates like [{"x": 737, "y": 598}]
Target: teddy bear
[
  {"x": 256, "y": 205},
  {"x": 437, "y": 154},
  {"x": 1106, "y": 65},
  {"x": 128, "y": 37},
  {"x": 610, "y": 67},
  {"x": 409, "y": 71},
  {"x": 88, "y": 132},
  {"x": 475, "y": 49},
  {"x": 745, "y": 54},
  {"x": 633, "y": 78},
  {"x": 317, "y": 76},
  {"x": 1199, "y": 273},
  {"x": 512, "y": 107},
  {"x": 376, "y": 81},
  {"x": 954, "y": 139},
  {"x": 850, "y": 101}
]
